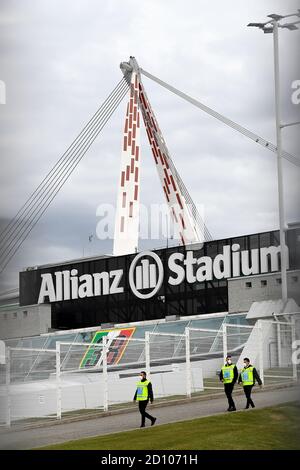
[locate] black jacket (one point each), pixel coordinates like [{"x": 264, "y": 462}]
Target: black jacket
[
  {"x": 150, "y": 392},
  {"x": 235, "y": 373},
  {"x": 255, "y": 376}
]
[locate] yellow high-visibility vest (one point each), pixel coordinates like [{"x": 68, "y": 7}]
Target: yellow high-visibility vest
[
  {"x": 228, "y": 374},
  {"x": 142, "y": 390},
  {"x": 247, "y": 375}
]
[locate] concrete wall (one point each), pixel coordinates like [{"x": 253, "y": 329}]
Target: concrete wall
[
  {"x": 240, "y": 297},
  {"x": 18, "y": 322}
]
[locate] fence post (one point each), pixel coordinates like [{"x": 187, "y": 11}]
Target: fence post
[
  {"x": 58, "y": 381},
  {"x": 294, "y": 363},
  {"x": 279, "y": 345},
  {"x": 147, "y": 353},
  {"x": 260, "y": 350},
  {"x": 7, "y": 383},
  {"x": 105, "y": 375},
  {"x": 188, "y": 363},
  {"x": 225, "y": 352}
]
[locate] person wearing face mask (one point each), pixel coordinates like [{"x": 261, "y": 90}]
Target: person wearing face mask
[
  {"x": 247, "y": 378},
  {"x": 228, "y": 376},
  {"x": 143, "y": 394}
]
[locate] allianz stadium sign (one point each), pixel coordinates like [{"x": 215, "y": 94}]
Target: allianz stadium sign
[{"x": 147, "y": 273}]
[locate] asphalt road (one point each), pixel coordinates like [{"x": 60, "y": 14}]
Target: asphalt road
[{"x": 37, "y": 437}]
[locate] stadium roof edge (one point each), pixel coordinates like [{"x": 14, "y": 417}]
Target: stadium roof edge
[
  {"x": 145, "y": 323},
  {"x": 293, "y": 225},
  {"x": 253, "y": 276},
  {"x": 96, "y": 257}
]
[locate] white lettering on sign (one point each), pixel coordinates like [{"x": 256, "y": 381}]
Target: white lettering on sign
[
  {"x": 146, "y": 273},
  {"x": 68, "y": 285}
]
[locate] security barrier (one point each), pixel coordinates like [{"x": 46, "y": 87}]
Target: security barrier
[{"x": 48, "y": 383}]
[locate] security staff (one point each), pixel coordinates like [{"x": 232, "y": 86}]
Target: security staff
[
  {"x": 229, "y": 375},
  {"x": 247, "y": 378},
  {"x": 143, "y": 394}
]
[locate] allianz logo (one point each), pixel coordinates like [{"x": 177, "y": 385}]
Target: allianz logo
[{"x": 146, "y": 273}]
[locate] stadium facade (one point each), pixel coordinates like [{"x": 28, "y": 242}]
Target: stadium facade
[{"x": 176, "y": 281}]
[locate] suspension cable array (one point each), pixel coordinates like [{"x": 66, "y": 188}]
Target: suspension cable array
[
  {"x": 189, "y": 200},
  {"x": 18, "y": 229}
]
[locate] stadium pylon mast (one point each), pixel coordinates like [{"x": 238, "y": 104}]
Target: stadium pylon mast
[
  {"x": 183, "y": 211},
  {"x": 185, "y": 215},
  {"x": 186, "y": 218}
]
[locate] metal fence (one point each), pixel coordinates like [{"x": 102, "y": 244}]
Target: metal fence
[
  {"x": 18, "y": 390},
  {"x": 278, "y": 351},
  {"x": 39, "y": 383}
]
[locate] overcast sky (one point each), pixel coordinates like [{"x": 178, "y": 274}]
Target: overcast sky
[{"x": 60, "y": 59}]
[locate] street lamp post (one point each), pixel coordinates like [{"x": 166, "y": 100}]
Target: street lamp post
[
  {"x": 283, "y": 252},
  {"x": 271, "y": 26}
]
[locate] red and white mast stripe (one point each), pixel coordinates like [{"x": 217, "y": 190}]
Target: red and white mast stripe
[
  {"x": 127, "y": 214},
  {"x": 179, "y": 208}
]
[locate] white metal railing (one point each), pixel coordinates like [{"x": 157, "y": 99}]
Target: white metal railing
[{"x": 157, "y": 347}]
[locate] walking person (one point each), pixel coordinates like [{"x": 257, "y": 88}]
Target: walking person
[
  {"x": 229, "y": 375},
  {"x": 143, "y": 395},
  {"x": 247, "y": 378}
]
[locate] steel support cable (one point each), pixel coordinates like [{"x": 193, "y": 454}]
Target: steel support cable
[
  {"x": 37, "y": 204},
  {"x": 22, "y": 221},
  {"x": 24, "y": 209},
  {"x": 57, "y": 165},
  {"x": 188, "y": 198},
  {"x": 197, "y": 217},
  {"x": 37, "y": 217},
  {"x": 29, "y": 227},
  {"x": 10, "y": 291},
  {"x": 58, "y": 168},
  {"x": 71, "y": 166},
  {"x": 251, "y": 135}
]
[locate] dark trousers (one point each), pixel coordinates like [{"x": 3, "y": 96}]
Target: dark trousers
[
  {"x": 247, "y": 391},
  {"x": 228, "y": 392},
  {"x": 142, "y": 407}
]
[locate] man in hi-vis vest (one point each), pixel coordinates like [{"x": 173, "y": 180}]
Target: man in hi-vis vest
[
  {"x": 143, "y": 394},
  {"x": 247, "y": 378},
  {"x": 228, "y": 376}
]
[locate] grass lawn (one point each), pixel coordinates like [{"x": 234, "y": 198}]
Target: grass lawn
[{"x": 269, "y": 428}]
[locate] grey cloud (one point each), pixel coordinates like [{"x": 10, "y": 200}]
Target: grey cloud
[{"x": 60, "y": 60}]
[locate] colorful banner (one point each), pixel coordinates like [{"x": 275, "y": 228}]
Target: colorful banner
[{"x": 117, "y": 340}]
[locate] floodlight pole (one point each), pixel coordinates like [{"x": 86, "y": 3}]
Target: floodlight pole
[
  {"x": 283, "y": 251},
  {"x": 58, "y": 380},
  {"x": 105, "y": 373},
  {"x": 267, "y": 28},
  {"x": 7, "y": 383}
]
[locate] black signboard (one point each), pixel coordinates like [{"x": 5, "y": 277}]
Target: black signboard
[{"x": 113, "y": 299}]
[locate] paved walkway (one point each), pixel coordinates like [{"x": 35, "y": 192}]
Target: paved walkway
[{"x": 37, "y": 437}]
